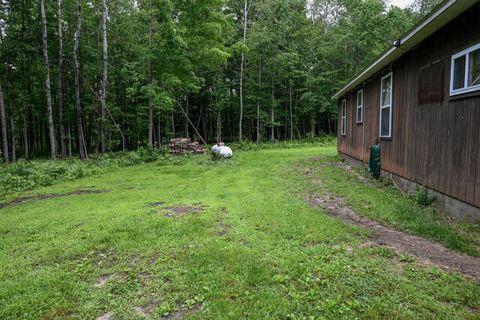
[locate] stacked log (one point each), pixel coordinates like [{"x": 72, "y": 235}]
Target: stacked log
[{"x": 181, "y": 146}]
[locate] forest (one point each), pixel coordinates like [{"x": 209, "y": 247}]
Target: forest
[{"x": 81, "y": 77}]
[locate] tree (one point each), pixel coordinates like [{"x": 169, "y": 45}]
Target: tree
[
  {"x": 3, "y": 125},
  {"x": 61, "y": 95},
  {"x": 145, "y": 71},
  {"x": 242, "y": 65},
  {"x": 103, "y": 94},
  {"x": 82, "y": 149},
  {"x": 48, "y": 94}
]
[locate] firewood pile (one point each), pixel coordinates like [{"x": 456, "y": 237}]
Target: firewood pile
[{"x": 181, "y": 146}]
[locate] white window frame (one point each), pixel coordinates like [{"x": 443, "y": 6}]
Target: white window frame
[
  {"x": 343, "y": 123},
  {"x": 360, "y": 106},
  {"x": 466, "y": 88},
  {"x": 390, "y": 106}
]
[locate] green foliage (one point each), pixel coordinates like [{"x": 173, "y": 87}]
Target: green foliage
[
  {"x": 423, "y": 198},
  {"x": 27, "y": 175},
  {"x": 321, "y": 141},
  {"x": 297, "y": 54}
]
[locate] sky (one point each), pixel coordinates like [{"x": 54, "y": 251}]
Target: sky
[{"x": 401, "y": 3}]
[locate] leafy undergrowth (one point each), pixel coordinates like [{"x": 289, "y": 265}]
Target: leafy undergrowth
[
  {"x": 255, "y": 250},
  {"x": 385, "y": 204},
  {"x": 28, "y": 175},
  {"x": 322, "y": 141}
]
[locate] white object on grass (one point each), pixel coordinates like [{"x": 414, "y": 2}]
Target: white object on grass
[
  {"x": 225, "y": 152},
  {"x": 215, "y": 148}
]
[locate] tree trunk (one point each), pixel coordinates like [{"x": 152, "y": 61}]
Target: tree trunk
[
  {"x": 219, "y": 126},
  {"x": 12, "y": 121},
  {"x": 187, "y": 135},
  {"x": 173, "y": 125},
  {"x": 313, "y": 122},
  {"x": 61, "y": 94},
  {"x": 48, "y": 94},
  {"x": 14, "y": 139},
  {"x": 272, "y": 111},
  {"x": 80, "y": 135},
  {"x": 3, "y": 125},
  {"x": 258, "y": 98},
  {"x": 69, "y": 142},
  {"x": 150, "y": 78},
  {"x": 291, "y": 112},
  {"x": 103, "y": 96},
  {"x": 242, "y": 69},
  {"x": 25, "y": 136},
  {"x": 159, "y": 131}
]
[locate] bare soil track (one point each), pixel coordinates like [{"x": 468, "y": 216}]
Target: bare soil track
[
  {"x": 22, "y": 200},
  {"x": 425, "y": 250}
]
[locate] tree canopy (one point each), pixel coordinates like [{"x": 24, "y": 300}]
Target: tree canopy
[{"x": 215, "y": 69}]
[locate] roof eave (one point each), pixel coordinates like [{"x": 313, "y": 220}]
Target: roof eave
[{"x": 444, "y": 13}]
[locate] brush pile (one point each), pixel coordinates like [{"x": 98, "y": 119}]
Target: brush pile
[{"x": 181, "y": 146}]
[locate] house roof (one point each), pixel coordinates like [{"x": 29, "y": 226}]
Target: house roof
[{"x": 439, "y": 17}]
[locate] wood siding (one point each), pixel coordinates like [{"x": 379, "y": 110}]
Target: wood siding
[{"x": 435, "y": 138}]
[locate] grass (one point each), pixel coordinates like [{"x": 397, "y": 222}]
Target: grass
[
  {"x": 258, "y": 251},
  {"x": 384, "y": 203}
]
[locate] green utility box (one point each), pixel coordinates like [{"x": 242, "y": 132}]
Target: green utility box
[{"x": 374, "y": 165}]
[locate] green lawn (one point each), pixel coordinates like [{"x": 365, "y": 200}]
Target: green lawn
[{"x": 257, "y": 251}]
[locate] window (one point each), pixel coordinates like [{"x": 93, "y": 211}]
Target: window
[
  {"x": 386, "y": 107},
  {"x": 343, "y": 124},
  {"x": 465, "y": 72},
  {"x": 360, "y": 106}
]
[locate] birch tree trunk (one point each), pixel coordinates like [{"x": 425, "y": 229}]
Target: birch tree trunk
[
  {"x": 3, "y": 125},
  {"x": 258, "y": 98},
  {"x": 242, "y": 69},
  {"x": 81, "y": 138},
  {"x": 48, "y": 94},
  {"x": 219, "y": 126},
  {"x": 61, "y": 95},
  {"x": 150, "y": 79},
  {"x": 103, "y": 96}
]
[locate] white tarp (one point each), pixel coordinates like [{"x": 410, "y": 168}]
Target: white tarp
[{"x": 222, "y": 151}]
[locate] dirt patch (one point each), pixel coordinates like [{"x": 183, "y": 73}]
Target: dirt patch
[
  {"x": 474, "y": 310},
  {"x": 425, "y": 250},
  {"x": 22, "y": 200},
  {"x": 102, "y": 281},
  {"x": 179, "y": 211},
  {"x": 145, "y": 311},
  {"x": 106, "y": 316}
]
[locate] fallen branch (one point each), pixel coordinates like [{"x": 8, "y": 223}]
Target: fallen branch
[
  {"x": 395, "y": 185},
  {"x": 194, "y": 128}
]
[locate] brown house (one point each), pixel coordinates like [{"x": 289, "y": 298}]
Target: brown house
[{"x": 421, "y": 100}]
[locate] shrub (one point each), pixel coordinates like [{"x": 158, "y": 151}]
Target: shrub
[
  {"x": 323, "y": 140},
  {"x": 423, "y": 198}
]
